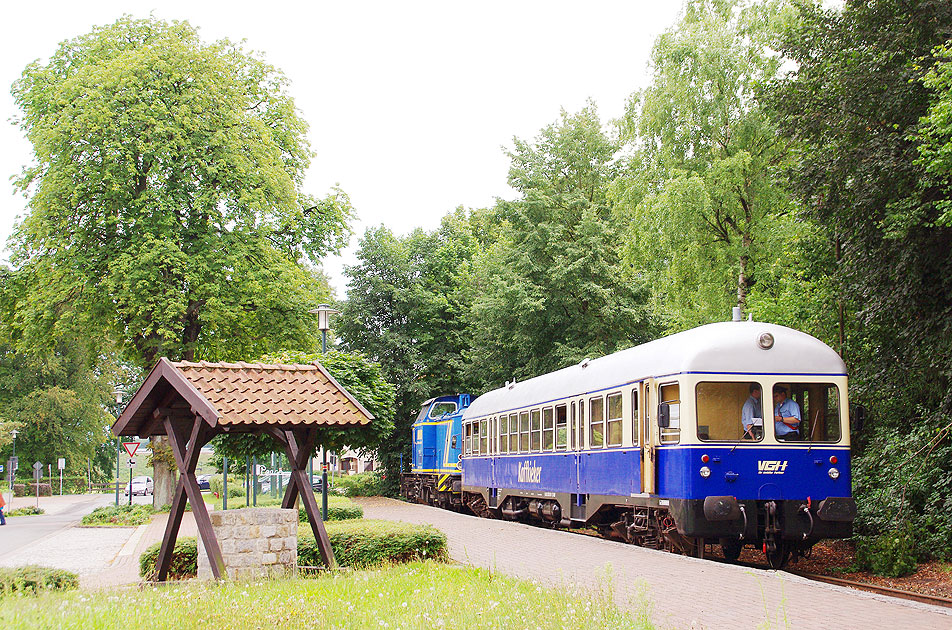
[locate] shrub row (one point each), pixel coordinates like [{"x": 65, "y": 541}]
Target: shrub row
[
  {"x": 338, "y": 509},
  {"x": 33, "y": 579},
  {"x": 357, "y": 544},
  {"x": 121, "y": 516},
  {"x": 27, "y": 510},
  {"x": 363, "y": 485}
]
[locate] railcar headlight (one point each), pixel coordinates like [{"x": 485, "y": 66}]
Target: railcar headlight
[
  {"x": 834, "y": 473},
  {"x": 705, "y": 472}
]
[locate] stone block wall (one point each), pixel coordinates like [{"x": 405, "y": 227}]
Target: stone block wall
[{"x": 255, "y": 542}]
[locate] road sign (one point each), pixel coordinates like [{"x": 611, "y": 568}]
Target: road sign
[
  {"x": 131, "y": 448},
  {"x": 1, "y": 467},
  {"x": 132, "y": 463},
  {"x": 61, "y": 463},
  {"x": 37, "y": 466}
]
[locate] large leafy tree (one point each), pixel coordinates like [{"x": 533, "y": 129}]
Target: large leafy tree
[
  {"x": 408, "y": 309},
  {"x": 860, "y": 105},
  {"x": 165, "y": 202},
  {"x": 166, "y": 211},
  {"x": 704, "y": 199},
  {"x": 552, "y": 289}
]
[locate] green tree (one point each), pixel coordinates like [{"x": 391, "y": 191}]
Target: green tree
[
  {"x": 859, "y": 106},
  {"x": 704, "y": 199},
  {"x": 408, "y": 309},
  {"x": 552, "y": 289},
  {"x": 166, "y": 211}
]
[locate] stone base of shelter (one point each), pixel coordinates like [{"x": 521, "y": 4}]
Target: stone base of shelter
[{"x": 255, "y": 543}]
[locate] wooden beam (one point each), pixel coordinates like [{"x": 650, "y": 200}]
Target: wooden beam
[
  {"x": 186, "y": 456},
  {"x": 164, "y": 561},
  {"x": 299, "y": 449}
]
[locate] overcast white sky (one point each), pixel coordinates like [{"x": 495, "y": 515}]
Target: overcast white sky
[{"x": 409, "y": 103}]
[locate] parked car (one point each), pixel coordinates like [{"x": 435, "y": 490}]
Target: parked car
[
  {"x": 140, "y": 485},
  {"x": 204, "y": 482}
]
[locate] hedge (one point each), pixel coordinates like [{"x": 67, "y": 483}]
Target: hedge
[
  {"x": 121, "y": 516},
  {"x": 184, "y": 559},
  {"x": 32, "y": 579},
  {"x": 363, "y": 544},
  {"x": 338, "y": 509},
  {"x": 363, "y": 485},
  {"x": 356, "y": 544}
]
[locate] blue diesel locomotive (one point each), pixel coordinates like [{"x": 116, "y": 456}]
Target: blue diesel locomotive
[
  {"x": 434, "y": 476},
  {"x": 675, "y": 444}
]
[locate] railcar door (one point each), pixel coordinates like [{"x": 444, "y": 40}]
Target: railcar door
[{"x": 649, "y": 437}]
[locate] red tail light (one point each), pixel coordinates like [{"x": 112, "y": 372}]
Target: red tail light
[
  {"x": 705, "y": 458},
  {"x": 833, "y": 459}
]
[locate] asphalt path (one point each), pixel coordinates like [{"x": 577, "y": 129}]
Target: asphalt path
[{"x": 63, "y": 513}]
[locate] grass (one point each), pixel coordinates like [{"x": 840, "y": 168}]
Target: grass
[
  {"x": 417, "y": 596},
  {"x": 122, "y": 516},
  {"x": 29, "y": 510}
]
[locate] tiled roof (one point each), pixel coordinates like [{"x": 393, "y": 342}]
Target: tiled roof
[{"x": 256, "y": 393}]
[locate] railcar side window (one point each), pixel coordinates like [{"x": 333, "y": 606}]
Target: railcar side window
[
  {"x": 548, "y": 429},
  {"x": 819, "y": 406},
  {"x": 513, "y": 433},
  {"x": 613, "y": 425},
  {"x": 596, "y": 418},
  {"x": 483, "y": 437},
  {"x": 671, "y": 394},
  {"x": 635, "y": 424},
  {"x": 572, "y": 435},
  {"x": 730, "y": 412},
  {"x": 503, "y": 434},
  {"x": 581, "y": 424},
  {"x": 561, "y": 437},
  {"x": 524, "y": 431},
  {"x": 468, "y": 438},
  {"x": 536, "y": 426}
]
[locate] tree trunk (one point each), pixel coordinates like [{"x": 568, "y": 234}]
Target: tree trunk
[
  {"x": 742, "y": 281},
  {"x": 163, "y": 476}
]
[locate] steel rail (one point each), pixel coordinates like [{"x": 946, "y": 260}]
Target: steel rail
[{"x": 935, "y": 600}]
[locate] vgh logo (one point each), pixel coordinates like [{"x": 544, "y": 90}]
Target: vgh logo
[{"x": 771, "y": 467}]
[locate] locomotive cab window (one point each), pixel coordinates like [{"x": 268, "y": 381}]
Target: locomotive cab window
[
  {"x": 818, "y": 405},
  {"x": 440, "y": 409},
  {"x": 731, "y": 412}
]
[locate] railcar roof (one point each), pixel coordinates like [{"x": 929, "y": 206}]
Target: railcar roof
[{"x": 722, "y": 348}]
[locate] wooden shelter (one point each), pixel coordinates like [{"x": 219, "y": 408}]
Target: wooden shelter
[{"x": 193, "y": 402}]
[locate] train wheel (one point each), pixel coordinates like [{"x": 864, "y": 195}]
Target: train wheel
[
  {"x": 731, "y": 549},
  {"x": 777, "y": 558}
]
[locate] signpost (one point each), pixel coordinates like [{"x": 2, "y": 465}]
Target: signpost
[
  {"x": 131, "y": 448},
  {"x": 37, "y": 475},
  {"x": 61, "y": 464}
]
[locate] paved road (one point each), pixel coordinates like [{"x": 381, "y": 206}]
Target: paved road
[
  {"x": 682, "y": 592},
  {"x": 61, "y": 513}
]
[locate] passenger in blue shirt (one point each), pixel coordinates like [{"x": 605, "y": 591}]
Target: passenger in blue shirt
[
  {"x": 751, "y": 415},
  {"x": 786, "y": 415}
]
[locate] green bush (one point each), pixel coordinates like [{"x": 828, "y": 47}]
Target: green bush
[
  {"x": 236, "y": 486},
  {"x": 362, "y": 543},
  {"x": 28, "y": 510},
  {"x": 121, "y": 516},
  {"x": 184, "y": 559},
  {"x": 363, "y": 485},
  {"x": 892, "y": 554},
  {"x": 33, "y": 579},
  {"x": 338, "y": 509}
]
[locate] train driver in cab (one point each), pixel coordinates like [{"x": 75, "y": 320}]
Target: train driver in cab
[
  {"x": 786, "y": 415},
  {"x": 752, "y": 415}
]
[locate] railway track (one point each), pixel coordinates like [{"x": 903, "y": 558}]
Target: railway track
[{"x": 935, "y": 600}]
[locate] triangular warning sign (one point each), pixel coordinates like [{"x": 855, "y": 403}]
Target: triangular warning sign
[{"x": 131, "y": 448}]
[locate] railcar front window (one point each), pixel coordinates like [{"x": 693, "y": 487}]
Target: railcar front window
[
  {"x": 596, "y": 418},
  {"x": 548, "y": 429},
  {"x": 819, "y": 408},
  {"x": 730, "y": 412}
]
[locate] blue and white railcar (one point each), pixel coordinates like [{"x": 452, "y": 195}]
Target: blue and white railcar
[
  {"x": 434, "y": 475},
  {"x": 650, "y": 443}
]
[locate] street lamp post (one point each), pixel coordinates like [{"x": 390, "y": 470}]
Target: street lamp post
[
  {"x": 323, "y": 312},
  {"x": 118, "y": 394}
]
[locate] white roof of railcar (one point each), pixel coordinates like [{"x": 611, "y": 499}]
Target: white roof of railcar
[{"x": 721, "y": 348}]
